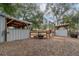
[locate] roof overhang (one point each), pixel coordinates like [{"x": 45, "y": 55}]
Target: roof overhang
[
  {"x": 62, "y": 25},
  {"x": 13, "y": 22}
]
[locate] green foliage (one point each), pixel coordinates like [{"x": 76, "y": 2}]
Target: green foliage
[
  {"x": 73, "y": 21},
  {"x": 7, "y": 8},
  {"x": 32, "y": 13},
  {"x": 61, "y": 12},
  {"x": 29, "y": 12},
  {"x": 58, "y": 10}
]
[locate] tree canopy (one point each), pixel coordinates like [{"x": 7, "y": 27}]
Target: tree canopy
[{"x": 63, "y": 12}]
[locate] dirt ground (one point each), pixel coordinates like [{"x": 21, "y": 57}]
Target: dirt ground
[{"x": 57, "y": 46}]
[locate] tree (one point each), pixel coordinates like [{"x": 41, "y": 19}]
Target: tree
[
  {"x": 73, "y": 21},
  {"x": 59, "y": 10},
  {"x": 30, "y": 12},
  {"x": 7, "y": 8}
]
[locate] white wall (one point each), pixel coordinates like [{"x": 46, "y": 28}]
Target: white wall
[
  {"x": 2, "y": 28},
  {"x": 13, "y": 34},
  {"x": 17, "y": 34},
  {"x": 61, "y": 32},
  {"x": 78, "y": 36}
]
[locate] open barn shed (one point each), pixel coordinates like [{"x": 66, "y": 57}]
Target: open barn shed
[
  {"x": 13, "y": 29},
  {"x": 61, "y": 30}
]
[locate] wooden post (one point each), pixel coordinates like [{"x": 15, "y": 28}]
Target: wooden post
[
  {"x": 54, "y": 29},
  {"x": 49, "y": 30},
  {"x": 30, "y": 27},
  {"x": 5, "y": 32},
  {"x": 46, "y": 33}
]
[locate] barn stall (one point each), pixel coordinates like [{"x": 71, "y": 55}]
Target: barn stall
[{"x": 13, "y": 29}]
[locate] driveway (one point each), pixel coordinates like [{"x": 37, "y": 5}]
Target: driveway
[{"x": 57, "y": 46}]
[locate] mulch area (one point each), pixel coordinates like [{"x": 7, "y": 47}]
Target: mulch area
[{"x": 57, "y": 46}]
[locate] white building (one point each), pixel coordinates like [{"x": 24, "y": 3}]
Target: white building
[{"x": 13, "y": 29}]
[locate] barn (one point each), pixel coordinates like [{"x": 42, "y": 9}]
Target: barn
[
  {"x": 61, "y": 30},
  {"x": 13, "y": 29}
]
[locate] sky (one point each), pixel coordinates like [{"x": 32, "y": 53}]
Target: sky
[{"x": 43, "y": 6}]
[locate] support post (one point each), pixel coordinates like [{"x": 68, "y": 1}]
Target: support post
[{"x": 5, "y": 30}]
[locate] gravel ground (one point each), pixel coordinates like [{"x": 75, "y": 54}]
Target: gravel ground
[{"x": 57, "y": 46}]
